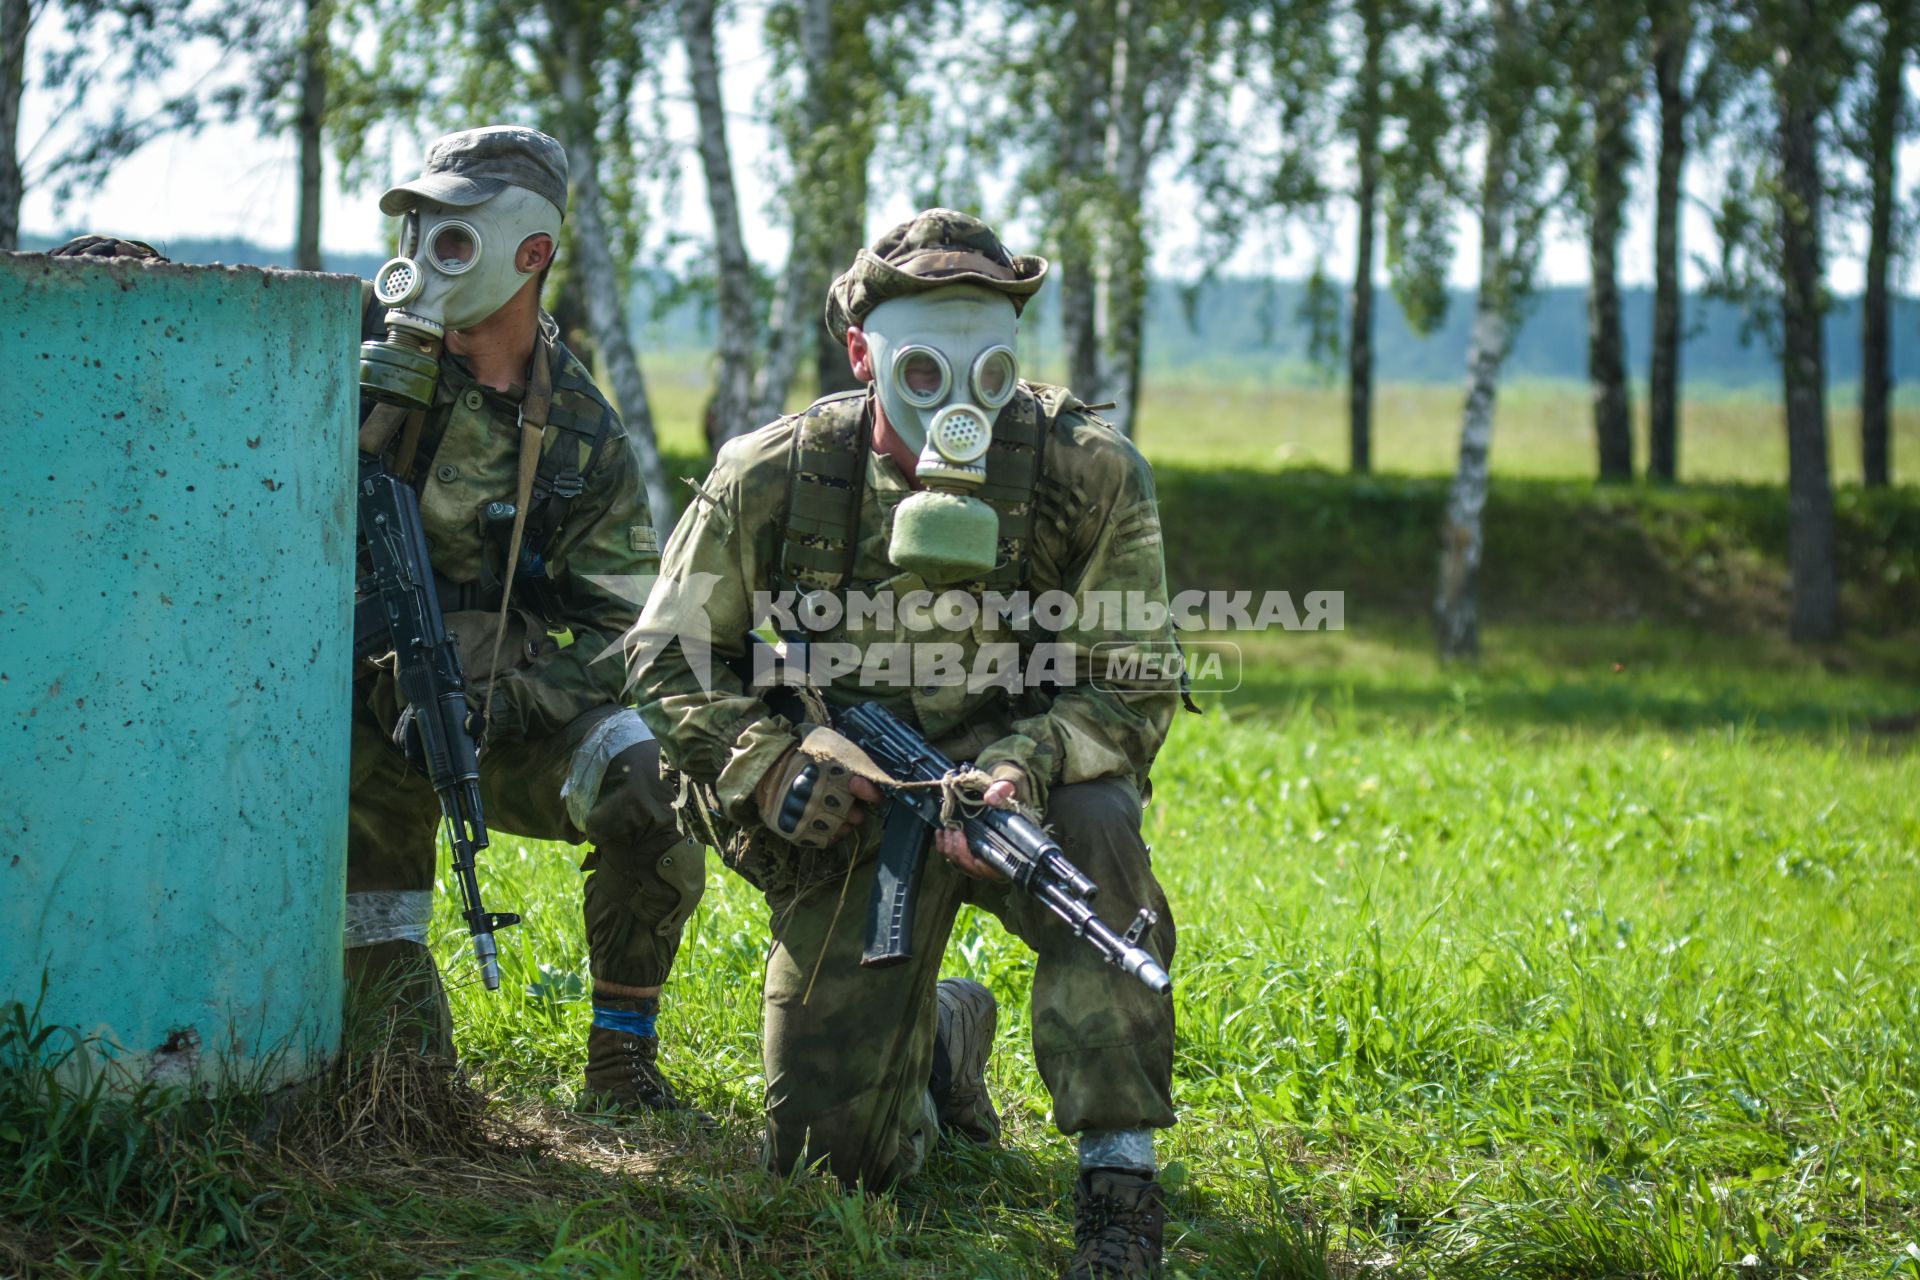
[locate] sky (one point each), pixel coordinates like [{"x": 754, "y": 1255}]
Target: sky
[{"x": 231, "y": 181}]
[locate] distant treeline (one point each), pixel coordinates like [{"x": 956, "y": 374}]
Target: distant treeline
[{"x": 1252, "y": 330}]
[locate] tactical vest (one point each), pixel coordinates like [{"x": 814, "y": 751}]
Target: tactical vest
[
  {"x": 578, "y": 423},
  {"x": 828, "y": 465}
]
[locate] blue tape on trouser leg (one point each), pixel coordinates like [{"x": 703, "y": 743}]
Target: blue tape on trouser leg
[{"x": 634, "y": 1024}]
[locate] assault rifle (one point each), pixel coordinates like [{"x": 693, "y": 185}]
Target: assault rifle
[
  {"x": 1015, "y": 846},
  {"x": 399, "y": 607}
]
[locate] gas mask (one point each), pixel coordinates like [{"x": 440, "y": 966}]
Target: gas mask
[
  {"x": 943, "y": 368},
  {"x": 456, "y": 267}
]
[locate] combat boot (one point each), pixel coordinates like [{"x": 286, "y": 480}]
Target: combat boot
[
  {"x": 1119, "y": 1219},
  {"x": 968, "y": 1017},
  {"x": 623, "y": 1068}
]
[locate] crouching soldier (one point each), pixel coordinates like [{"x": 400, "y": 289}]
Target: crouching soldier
[
  {"x": 946, "y": 474},
  {"x": 510, "y": 420}
]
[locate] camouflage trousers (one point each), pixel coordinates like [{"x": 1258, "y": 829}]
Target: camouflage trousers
[
  {"x": 598, "y": 781},
  {"x": 848, "y": 1051}
]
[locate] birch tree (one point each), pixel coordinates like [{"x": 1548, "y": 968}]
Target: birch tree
[
  {"x": 1771, "y": 225},
  {"x": 1508, "y": 92},
  {"x": 1672, "y": 37},
  {"x": 572, "y": 69},
  {"x": 1094, "y": 88},
  {"x": 1606, "y": 50},
  {"x": 1328, "y": 76},
  {"x": 1801, "y": 44},
  {"x": 1691, "y": 79},
  {"x": 827, "y": 101},
  {"x": 120, "y": 52},
  {"x": 590, "y": 55},
  {"x": 732, "y": 411}
]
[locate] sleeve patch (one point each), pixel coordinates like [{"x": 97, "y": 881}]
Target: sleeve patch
[{"x": 642, "y": 538}]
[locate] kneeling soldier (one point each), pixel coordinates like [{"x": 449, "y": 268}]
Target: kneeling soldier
[
  {"x": 512, "y": 419},
  {"x": 946, "y": 475}
]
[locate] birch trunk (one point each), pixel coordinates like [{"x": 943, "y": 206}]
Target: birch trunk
[
  {"x": 1120, "y": 305},
  {"x": 1810, "y": 532},
  {"x": 1876, "y": 374},
  {"x": 786, "y": 331},
  {"x": 799, "y": 292},
  {"x": 1663, "y": 374},
  {"x": 732, "y": 411},
  {"x": 308, "y": 125},
  {"x": 1085, "y": 204},
  {"x": 1366, "y": 198},
  {"x": 840, "y": 179},
  {"x": 1456, "y": 607},
  {"x": 1606, "y": 358},
  {"x": 606, "y": 313},
  {"x": 15, "y": 17}
]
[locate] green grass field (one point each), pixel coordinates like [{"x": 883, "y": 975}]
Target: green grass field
[
  {"x": 1548, "y": 969},
  {"x": 1595, "y": 961}
]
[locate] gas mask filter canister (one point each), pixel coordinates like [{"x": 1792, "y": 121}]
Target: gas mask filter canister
[
  {"x": 943, "y": 369},
  {"x": 455, "y": 268}
]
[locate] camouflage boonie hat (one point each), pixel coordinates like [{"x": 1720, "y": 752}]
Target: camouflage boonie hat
[
  {"x": 932, "y": 249},
  {"x": 475, "y": 165}
]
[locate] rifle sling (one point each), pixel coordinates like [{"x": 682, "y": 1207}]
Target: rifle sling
[{"x": 534, "y": 406}]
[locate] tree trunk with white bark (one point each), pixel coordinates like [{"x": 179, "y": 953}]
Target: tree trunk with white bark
[
  {"x": 1086, "y": 196},
  {"x": 1121, "y": 300},
  {"x": 1456, "y": 605},
  {"x": 606, "y": 313},
  {"x": 732, "y": 411},
  {"x": 800, "y": 292},
  {"x": 1606, "y": 338}
]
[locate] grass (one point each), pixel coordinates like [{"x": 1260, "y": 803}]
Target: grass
[
  {"x": 1541, "y": 429},
  {"x": 1544, "y": 969},
  {"x": 1594, "y": 961}
]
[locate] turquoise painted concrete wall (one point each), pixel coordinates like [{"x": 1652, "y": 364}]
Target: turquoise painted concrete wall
[{"x": 177, "y": 527}]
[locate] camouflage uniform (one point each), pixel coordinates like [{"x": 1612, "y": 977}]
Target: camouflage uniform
[
  {"x": 848, "y": 1049},
  {"x": 563, "y": 758}
]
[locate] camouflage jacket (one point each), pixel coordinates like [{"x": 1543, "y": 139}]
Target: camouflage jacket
[
  {"x": 467, "y": 457},
  {"x": 1097, "y": 531}
]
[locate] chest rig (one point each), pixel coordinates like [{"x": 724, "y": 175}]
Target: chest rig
[
  {"x": 827, "y": 469},
  {"x": 576, "y": 423},
  {"x": 576, "y": 427}
]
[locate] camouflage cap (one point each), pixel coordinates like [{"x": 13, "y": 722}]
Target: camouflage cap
[
  {"x": 932, "y": 249},
  {"x": 474, "y": 165}
]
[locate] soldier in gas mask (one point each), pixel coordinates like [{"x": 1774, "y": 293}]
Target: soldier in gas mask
[
  {"x": 502, "y": 426},
  {"x": 946, "y": 474}
]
